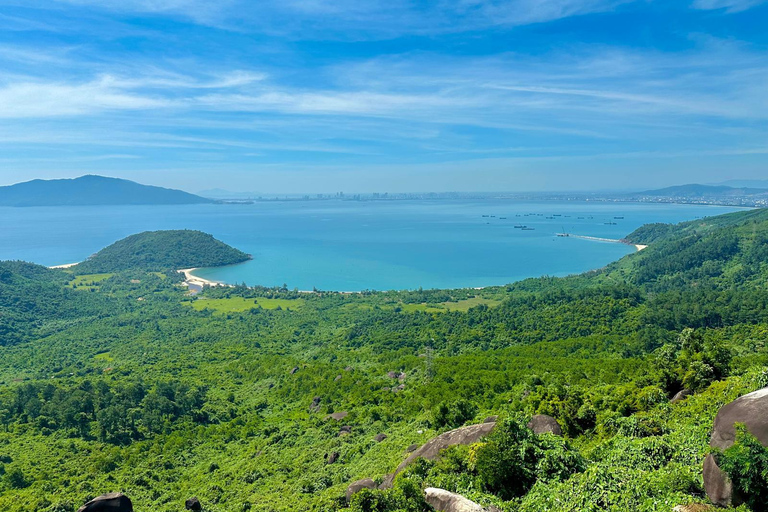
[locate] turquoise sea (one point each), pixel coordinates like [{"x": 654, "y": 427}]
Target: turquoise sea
[{"x": 352, "y": 246}]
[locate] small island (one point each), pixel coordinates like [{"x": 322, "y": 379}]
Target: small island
[{"x": 155, "y": 251}]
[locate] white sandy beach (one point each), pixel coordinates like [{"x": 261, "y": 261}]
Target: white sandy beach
[
  {"x": 199, "y": 281},
  {"x": 66, "y": 265}
]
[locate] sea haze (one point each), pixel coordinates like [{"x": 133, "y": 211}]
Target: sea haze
[{"x": 352, "y": 246}]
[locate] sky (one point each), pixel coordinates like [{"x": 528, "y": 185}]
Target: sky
[{"x": 322, "y": 96}]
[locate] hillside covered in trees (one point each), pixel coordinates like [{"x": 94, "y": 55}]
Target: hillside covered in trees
[
  {"x": 162, "y": 250},
  {"x": 112, "y": 378}
]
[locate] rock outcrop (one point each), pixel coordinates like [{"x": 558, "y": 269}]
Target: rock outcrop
[
  {"x": 432, "y": 448},
  {"x": 355, "y": 487},
  {"x": 445, "y": 501},
  {"x": 543, "y": 424},
  {"x": 113, "y": 502},
  {"x": 752, "y": 411}
]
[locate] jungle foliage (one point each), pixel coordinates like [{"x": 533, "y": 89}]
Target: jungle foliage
[{"x": 115, "y": 382}]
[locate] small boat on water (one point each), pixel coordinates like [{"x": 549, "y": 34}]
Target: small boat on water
[
  {"x": 520, "y": 226},
  {"x": 610, "y": 223},
  {"x": 618, "y": 217},
  {"x": 550, "y": 218},
  {"x": 502, "y": 218},
  {"x": 529, "y": 229}
]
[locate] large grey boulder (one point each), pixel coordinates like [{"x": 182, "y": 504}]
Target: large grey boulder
[
  {"x": 445, "y": 501},
  {"x": 112, "y": 502},
  {"x": 355, "y": 487},
  {"x": 432, "y": 448},
  {"x": 544, "y": 424},
  {"x": 752, "y": 411}
]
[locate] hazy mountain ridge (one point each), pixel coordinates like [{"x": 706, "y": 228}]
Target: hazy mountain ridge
[
  {"x": 696, "y": 190},
  {"x": 92, "y": 190}
]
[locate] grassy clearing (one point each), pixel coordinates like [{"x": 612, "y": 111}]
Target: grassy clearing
[
  {"x": 88, "y": 281},
  {"x": 466, "y": 304},
  {"x": 104, "y": 357},
  {"x": 240, "y": 304},
  {"x": 441, "y": 307}
]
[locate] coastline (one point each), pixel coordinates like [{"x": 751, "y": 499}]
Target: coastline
[
  {"x": 66, "y": 265},
  {"x": 192, "y": 280}
]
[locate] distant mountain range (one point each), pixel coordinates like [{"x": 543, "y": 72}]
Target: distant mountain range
[
  {"x": 744, "y": 183},
  {"x": 704, "y": 191},
  {"x": 92, "y": 190}
]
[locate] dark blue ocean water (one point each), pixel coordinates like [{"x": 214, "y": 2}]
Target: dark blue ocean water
[{"x": 350, "y": 246}]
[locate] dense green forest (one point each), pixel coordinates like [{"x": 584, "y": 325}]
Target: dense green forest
[
  {"x": 114, "y": 378},
  {"x": 162, "y": 250}
]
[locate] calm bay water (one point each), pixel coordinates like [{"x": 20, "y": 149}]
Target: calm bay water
[{"x": 350, "y": 246}]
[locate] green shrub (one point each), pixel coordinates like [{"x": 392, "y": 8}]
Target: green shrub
[
  {"x": 514, "y": 458},
  {"x": 453, "y": 414}
]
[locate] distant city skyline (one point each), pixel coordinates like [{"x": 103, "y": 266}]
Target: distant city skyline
[{"x": 321, "y": 96}]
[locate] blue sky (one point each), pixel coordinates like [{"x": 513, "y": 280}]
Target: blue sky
[{"x": 385, "y": 95}]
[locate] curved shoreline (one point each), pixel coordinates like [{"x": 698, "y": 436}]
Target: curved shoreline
[{"x": 191, "y": 279}]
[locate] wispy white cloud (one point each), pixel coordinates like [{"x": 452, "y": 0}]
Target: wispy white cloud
[
  {"x": 730, "y": 6},
  {"x": 22, "y": 100},
  {"x": 376, "y": 16}
]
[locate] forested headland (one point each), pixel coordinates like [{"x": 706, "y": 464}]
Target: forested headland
[{"x": 113, "y": 378}]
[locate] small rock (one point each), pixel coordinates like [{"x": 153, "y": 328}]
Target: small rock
[
  {"x": 338, "y": 416},
  {"x": 333, "y": 457},
  {"x": 355, "y": 487},
  {"x": 294, "y": 370},
  {"x": 193, "y": 504},
  {"x": 315, "y": 405},
  {"x": 491, "y": 419},
  {"x": 544, "y": 424},
  {"x": 337, "y": 378},
  {"x": 380, "y": 437},
  {"x": 445, "y": 501},
  {"x": 680, "y": 395},
  {"x": 412, "y": 448},
  {"x": 693, "y": 507}
]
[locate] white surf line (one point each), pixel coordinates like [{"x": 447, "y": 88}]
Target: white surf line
[{"x": 639, "y": 247}]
